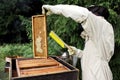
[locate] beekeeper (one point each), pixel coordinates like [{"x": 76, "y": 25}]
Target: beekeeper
[{"x": 99, "y": 38}]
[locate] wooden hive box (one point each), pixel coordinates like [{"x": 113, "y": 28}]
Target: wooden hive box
[{"x": 42, "y": 66}]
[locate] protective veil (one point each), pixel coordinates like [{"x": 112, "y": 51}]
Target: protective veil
[{"x": 99, "y": 41}]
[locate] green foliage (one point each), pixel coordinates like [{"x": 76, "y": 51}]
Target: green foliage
[
  {"x": 10, "y": 22},
  {"x": 24, "y": 50},
  {"x": 115, "y": 67},
  {"x": 117, "y": 30},
  {"x": 13, "y": 27},
  {"x": 27, "y": 23},
  {"x": 115, "y": 63},
  {"x": 67, "y": 30},
  {"x": 3, "y": 75},
  {"x": 54, "y": 48}
]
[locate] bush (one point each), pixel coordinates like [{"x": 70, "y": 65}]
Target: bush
[{"x": 24, "y": 50}]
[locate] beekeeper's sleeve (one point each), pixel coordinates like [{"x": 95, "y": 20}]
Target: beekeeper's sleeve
[
  {"x": 79, "y": 53},
  {"x": 77, "y": 13}
]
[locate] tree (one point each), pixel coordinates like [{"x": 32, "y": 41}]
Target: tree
[{"x": 11, "y": 28}]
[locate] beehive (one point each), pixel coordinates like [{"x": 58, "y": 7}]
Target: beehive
[{"x": 42, "y": 66}]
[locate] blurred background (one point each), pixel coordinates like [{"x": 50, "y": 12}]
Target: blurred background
[{"x": 16, "y": 29}]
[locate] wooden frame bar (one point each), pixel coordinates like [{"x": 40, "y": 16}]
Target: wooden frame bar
[{"x": 39, "y": 36}]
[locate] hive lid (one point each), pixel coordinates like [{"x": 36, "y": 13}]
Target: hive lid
[{"x": 39, "y": 33}]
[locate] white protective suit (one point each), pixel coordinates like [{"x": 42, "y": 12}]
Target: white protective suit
[{"x": 99, "y": 41}]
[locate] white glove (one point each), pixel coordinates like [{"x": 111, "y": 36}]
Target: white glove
[
  {"x": 72, "y": 50},
  {"x": 46, "y": 8}
]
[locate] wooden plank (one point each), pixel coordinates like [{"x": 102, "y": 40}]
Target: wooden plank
[
  {"x": 39, "y": 36},
  {"x": 42, "y": 71},
  {"x": 9, "y": 60},
  {"x": 18, "y": 69},
  {"x": 34, "y": 65},
  {"x": 36, "y": 62}
]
